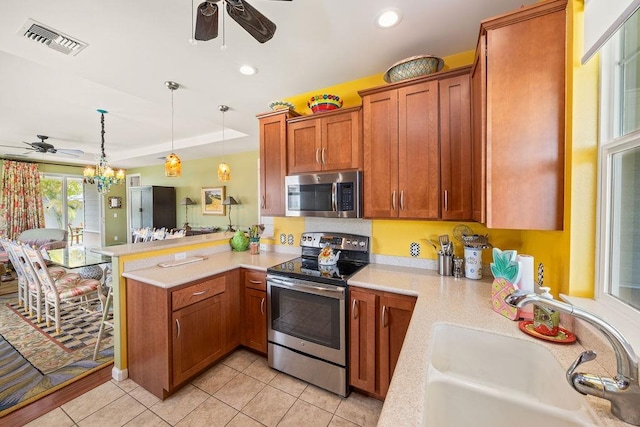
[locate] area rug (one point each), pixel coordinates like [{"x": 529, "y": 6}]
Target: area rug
[
  {"x": 42, "y": 346},
  {"x": 22, "y": 383}
]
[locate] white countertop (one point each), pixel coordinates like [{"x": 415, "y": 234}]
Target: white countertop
[
  {"x": 447, "y": 300},
  {"x": 167, "y": 277},
  {"x": 440, "y": 299},
  {"x": 136, "y": 248}
]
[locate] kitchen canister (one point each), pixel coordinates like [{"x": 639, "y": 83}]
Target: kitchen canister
[{"x": 472, "y": 263}]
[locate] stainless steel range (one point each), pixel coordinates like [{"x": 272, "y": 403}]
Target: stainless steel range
[{"x": 307, "y": 306}]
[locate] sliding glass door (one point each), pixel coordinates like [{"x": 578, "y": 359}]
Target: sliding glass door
[{"x": 69, "y": 204}]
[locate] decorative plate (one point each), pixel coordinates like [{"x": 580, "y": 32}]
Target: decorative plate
[
  {"x": 281, "y": 105},
  {"x": 563, "y": 337}
]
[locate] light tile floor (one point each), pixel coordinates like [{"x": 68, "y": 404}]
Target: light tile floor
[{"x": 240, "y": 391}]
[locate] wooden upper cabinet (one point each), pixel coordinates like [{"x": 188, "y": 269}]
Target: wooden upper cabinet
[
  {"x": 326, "y": 142},
  {"x": 455, "y": 147},
  {"x": 273, "y": 160},
  {"x": 413, "y": 168},
  {"x": 524, "y": 109},
  {"x": 479, "y": 133},
  {"x": 380, "y": 135},
  {"x": 418, "y": 151}
]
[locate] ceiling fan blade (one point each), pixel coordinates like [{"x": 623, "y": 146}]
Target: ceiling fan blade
[
  {"x": 69, "y": 152},
  {"x": 10, "y": 146},
  {"x": 254, "y": 22},
  {"x": 206, "y": 21}
]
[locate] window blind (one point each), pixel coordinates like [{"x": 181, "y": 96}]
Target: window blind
[{"x": 602, "y": 18}]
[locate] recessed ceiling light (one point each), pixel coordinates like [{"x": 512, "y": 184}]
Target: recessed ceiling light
[
  {"x": 248, "y": 70},
  {"x": 388, "y": 18}
]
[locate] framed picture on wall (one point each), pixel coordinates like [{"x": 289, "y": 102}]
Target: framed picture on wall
[{"x": 212, "y": 198}]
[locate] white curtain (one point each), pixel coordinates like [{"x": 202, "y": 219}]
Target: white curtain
[{"x": 602, "y": 18}]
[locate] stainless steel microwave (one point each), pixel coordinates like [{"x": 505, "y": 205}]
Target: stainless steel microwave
[{"x": 327, "y": 194}]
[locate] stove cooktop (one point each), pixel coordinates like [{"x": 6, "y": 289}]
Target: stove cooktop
[
  {"x": 309, "y": 269},
  {"x": 353, "y": 255}
]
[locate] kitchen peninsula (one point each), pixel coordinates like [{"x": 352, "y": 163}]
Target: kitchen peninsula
[{"x": 145, "y": 257}]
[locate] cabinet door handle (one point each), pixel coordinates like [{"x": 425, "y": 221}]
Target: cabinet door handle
[
  {"x": 353, "y": 308},
  {"x": 402, "y": 200},
  {"x": 255, "y": 282},
  {"x": 383, "y": 317},
  {"x": 393, "y": 201},
  {"x": 264, "y": 201},
  {"x": 178, "y": 325},
  {"x": 446, "y": 200},
  {"x": 262, "y": 306},
  {"x": 317, "y": 155},
  {"x": 195, "y": 294},
  {"x": 322, "y": 156}
]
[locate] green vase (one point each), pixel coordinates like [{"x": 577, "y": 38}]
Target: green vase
[{"x": 239, "y": 242}]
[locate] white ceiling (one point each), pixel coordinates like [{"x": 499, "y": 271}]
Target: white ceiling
[{"x": 135, "y": 46}]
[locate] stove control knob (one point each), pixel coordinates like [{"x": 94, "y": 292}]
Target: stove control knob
[
  {"x": 362, "y": 243},
  {"x": 349, "y": 242}
]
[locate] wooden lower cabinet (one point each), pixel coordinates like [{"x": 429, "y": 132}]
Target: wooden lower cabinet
[
  {"x": 378, "y": 323},
  {"x": 254, "y": 319},
  {"x": 173, "y": 334}
]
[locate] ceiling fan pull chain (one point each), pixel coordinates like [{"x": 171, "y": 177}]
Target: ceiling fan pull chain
[{"x": 224, "y": 27}]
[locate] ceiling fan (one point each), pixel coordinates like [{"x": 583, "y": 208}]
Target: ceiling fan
[
  {"x": 254, "y": 22},
  {"x": 44, "y": 147}
]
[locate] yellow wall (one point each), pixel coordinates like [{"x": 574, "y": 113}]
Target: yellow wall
[
  {"x": 199, "y": 173},
  {"x": 568, "y": 255}
]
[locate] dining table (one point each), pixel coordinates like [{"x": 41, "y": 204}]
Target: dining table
[{"x": 89, "y": 265}]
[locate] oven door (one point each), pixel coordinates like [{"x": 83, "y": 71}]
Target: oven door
[{"x": 307, "y": 317}]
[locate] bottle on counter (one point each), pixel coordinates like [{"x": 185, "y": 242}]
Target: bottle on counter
[{"x": 545, "y": 320}]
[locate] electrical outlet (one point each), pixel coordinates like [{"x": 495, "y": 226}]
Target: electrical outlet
[
  {"x": 181, "y": 255},
  {"x": 263, "y": 246},
  {"x": 115, "y": 215},
  {"x": 115, "y": 237}
]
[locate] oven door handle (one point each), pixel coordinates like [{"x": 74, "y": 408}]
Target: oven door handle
[{"x": 302, "y": 286}]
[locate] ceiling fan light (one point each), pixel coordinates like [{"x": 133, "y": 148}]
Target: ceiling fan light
[
  {"x": 224, "y": 172},
  {"x": 248, "y": 70},
  {"x": 173, "y": 166},
  {"x": 388, "y": 18}
]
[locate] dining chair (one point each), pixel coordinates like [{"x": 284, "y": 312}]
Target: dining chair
[
  {"x": 107, "y": 311},
  {"x": 69, "y": 290},
  {"x": 22, "y": 280},
  {"x": 159, "y": 234},
  {"x": 75, "y": 233},
  {"x": 33, "y": 289}
]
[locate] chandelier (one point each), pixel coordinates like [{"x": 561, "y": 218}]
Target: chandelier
[
  {"x": 172, "y": 163},
  {"x": 102, "y": 174},
  {"x": 224, "y": 171}
]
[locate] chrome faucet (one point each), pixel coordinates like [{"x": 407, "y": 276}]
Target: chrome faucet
[{"x": 623, "y": 391}]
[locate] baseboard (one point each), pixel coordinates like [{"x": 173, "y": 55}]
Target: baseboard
[{"x": 119, "y": 374}]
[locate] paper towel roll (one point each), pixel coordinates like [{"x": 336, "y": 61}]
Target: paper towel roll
[
  {"x": 526, "y": 283},
  {"x": 526, "y": 278}
]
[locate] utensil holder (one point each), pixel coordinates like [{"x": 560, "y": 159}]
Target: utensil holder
[{"x": 445, "y": 264}]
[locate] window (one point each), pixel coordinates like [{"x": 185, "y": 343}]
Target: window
[
  {"x": 619, "y": 244},
  {"x": 63, "y": 200}
]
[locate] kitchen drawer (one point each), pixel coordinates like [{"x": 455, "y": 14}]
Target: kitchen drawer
[
  {"x": 198, "y": 292},
  {"x": 255, "y": 280}
]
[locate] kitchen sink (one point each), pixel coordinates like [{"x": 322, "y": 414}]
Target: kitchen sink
[{"x": 485, "y": 379}]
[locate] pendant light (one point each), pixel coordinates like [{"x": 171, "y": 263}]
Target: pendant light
[
  {"x": 102, "y": 174},
  {"x": 224, "y": 171},
  {"x": 172, "y": 163}
]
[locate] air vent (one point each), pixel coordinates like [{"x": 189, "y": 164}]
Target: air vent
[{"x": 52, "y": 38}]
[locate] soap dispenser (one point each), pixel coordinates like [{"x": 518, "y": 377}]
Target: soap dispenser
[{"x": 545, "y": 320}]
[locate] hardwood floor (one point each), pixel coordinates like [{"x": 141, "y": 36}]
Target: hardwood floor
[{"x": 57, "y": 398}]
